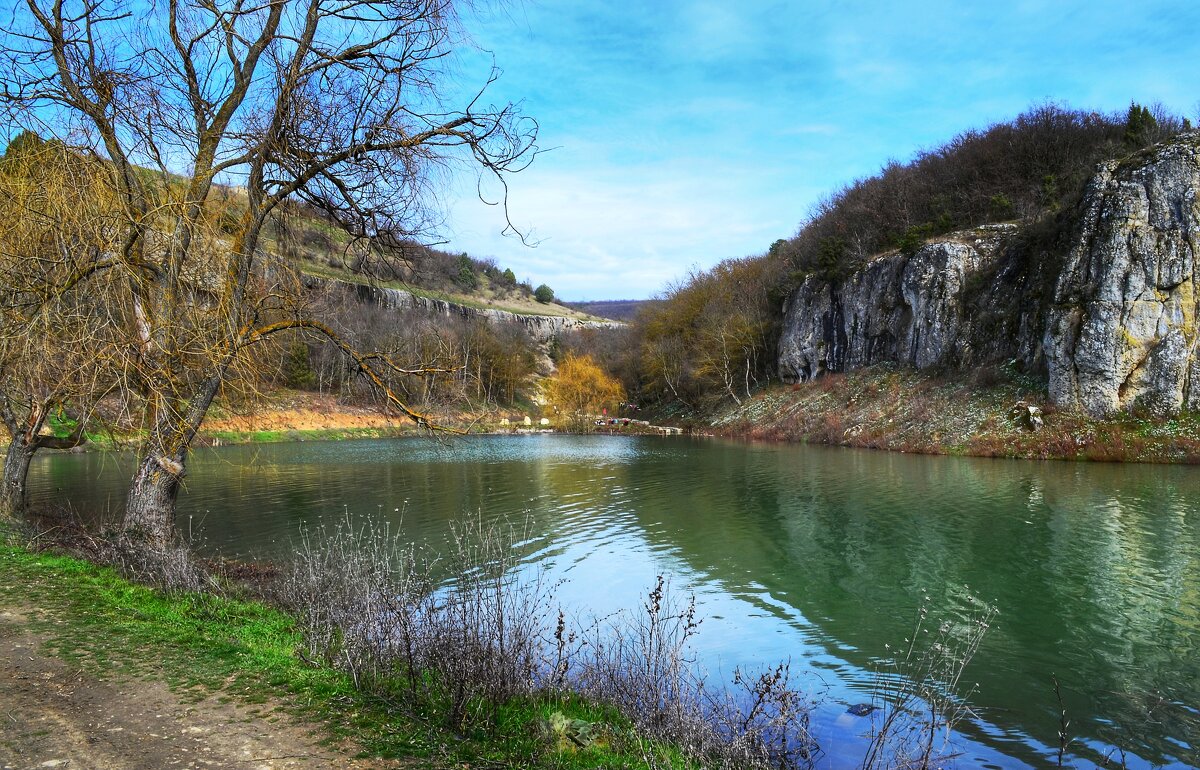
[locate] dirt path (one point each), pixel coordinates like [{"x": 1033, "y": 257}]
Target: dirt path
[{"x": 53, "y": 716}]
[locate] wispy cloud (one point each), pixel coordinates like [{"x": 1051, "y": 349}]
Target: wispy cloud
[{"x": 689, "y": 131}]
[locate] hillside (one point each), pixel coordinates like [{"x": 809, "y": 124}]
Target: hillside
[
  {"x": 614, "y": 309},
  {"x": 1107, "y": 321},
  {"x": 318, "y": 246},
  {"x": 485, "y": 296}
]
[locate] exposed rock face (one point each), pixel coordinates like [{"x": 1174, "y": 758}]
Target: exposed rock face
[
  {"x": 542, "y": 328},
  {"x": 1122, "y": 331},
  {"x": 1117, "y": 331},
  {"x": 897, "y": 308}
]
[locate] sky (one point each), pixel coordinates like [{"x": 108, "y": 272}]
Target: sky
[{"x": 677, "y": 133}]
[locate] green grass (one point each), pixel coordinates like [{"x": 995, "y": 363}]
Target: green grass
[{"x": 207, "y": 645}]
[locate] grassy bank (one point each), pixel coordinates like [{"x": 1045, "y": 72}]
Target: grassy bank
[
  {"x": 206, "y": 644},
  {"x": 981, "y": 414},
  {"x": 223, "y": 437}
]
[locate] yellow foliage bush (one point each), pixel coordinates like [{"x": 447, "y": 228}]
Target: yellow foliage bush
[{"x": 582, "y": 390}]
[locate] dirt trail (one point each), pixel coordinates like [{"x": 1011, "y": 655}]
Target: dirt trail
[{"x": 54, "y": 716}]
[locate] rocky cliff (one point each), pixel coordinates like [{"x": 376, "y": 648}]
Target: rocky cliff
[
  {"x": 542, "y": 328},
  {"x": 898, "y": 307},
  {"x": 1122, "y": 331},
  {"x": 1110, "y": 322}
]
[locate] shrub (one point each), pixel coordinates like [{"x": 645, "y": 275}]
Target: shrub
[
  {"x": 1000, "y": 207},
  {"x": 913, "y": 238},
  {"x": 582, "y": 390},
  {"x": 543, "y": 294},
  {"x": 465, "y": 640},
  {"x": 297, "y": 372},
  {"x": 1022, "y": 168}
]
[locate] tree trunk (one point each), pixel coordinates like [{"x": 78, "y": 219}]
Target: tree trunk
[
  {"x": 16, "y": 469},
  {"x": 150, "y": 506}
]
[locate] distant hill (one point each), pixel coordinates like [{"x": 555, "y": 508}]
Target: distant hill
[
  {"x": 320, "y": 248},
  {"x": 615, "y": 309}
]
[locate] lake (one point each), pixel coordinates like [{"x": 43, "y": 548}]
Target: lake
[{"x": 820, "y": 556}]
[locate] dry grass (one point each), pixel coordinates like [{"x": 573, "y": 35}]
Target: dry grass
[{"x": 899, "y": 409}]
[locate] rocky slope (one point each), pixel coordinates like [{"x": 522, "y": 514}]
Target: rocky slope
[
  {"x": 1110, "y": 326},
  {"x": 542, "y": 328}
]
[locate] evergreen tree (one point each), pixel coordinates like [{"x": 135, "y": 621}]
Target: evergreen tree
[
  {"x": 297, "y": 372},
  {"x": 466, "y": 277},
  {"x": 1140, "y": 126}
]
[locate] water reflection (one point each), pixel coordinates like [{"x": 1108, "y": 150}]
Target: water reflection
[{"x": 817, "y": 555}]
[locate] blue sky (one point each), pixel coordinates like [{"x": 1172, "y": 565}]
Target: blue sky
[{"x": 684, "y": 132}]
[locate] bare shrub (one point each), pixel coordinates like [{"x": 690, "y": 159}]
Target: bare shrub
[
  {"x": 487, "y": 633},
  {"x": 643, "y": 664},
  {"x": 60, "y": 528},
  {"x": 764, "y": 720},
  {"x": 357, "y": 591},
  {"x": 920, "y": 694},
  {"x": 487, "y": 637},
  {"x": 638, "y": 661},
  {"x": 370, "y": 602},
  {"x": 171, "y": 565}
]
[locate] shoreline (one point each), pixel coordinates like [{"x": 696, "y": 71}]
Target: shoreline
[
  {"x": 218, "y": 672},
  {"x": 902, "y": 410},
  {"x": 883, "y": 407}
]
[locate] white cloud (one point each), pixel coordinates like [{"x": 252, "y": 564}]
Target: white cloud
[
  {"x": 624, "y": 233},
  {"x": 695, "y": 130}
]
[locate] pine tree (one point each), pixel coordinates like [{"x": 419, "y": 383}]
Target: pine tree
[{"x": 1140, "y": 126}]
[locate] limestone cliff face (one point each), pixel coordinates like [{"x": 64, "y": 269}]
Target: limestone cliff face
[
  {"x": 1122, "y": 330},
  {"x": 542, "y": 328},
  {"x": 1117, "y": 328},
  {"x": 897, "y": 308}
]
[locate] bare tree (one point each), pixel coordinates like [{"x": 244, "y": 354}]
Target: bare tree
[{"x": 346, "y": 105}]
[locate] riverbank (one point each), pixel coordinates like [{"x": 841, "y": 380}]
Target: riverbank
[
  {"x": 283, "y": 415},
  {"x": 985, "y": 414},
  {"x": 96, "y": 671},
  {"x": 292, "y": 415}
]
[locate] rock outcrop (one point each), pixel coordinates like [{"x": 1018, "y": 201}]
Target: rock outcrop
[
  {"x": 1115, "y": 328},
  {"x": 1122, "y": 330},
  {"x": 541, "y": 328},
  {"x": 900, "y": 308}
]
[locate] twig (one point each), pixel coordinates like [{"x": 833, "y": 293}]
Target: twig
[{"x": 1063, "y": 722}]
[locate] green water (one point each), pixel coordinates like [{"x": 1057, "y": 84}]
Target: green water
[{"x": 820, "y": 556}]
